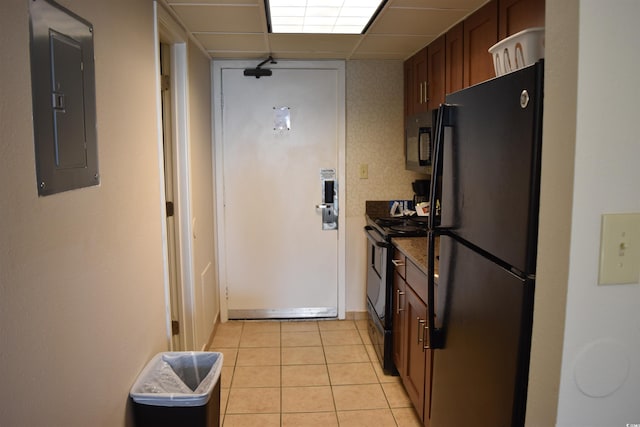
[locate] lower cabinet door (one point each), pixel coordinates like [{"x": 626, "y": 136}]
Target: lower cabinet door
[
  {"x": 413, "y": 376},
  {"x": 399, "y": 322}
]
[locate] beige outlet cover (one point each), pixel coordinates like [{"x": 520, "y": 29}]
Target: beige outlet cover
[{"x": 620, "y": 249}]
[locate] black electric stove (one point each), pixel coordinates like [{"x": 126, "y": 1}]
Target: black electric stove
[{"x": 380, "y": 253}]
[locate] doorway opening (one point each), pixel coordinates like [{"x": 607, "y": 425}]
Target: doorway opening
[
  {"x": 171, "y": 66},
  {"x": 169, "y": 190}
]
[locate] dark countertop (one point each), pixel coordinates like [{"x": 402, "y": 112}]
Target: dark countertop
[{"x": 415, "y": 248}]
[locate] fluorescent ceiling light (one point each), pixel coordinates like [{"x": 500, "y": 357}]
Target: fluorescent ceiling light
[{"x": 321, "y": 16}]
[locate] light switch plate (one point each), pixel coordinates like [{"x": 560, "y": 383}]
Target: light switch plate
[
  {"x": 363, "y": 171},
  {"x": 620, "y": 249}
]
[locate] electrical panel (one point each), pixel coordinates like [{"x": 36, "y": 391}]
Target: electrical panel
[{"x": 64, "y": 102}]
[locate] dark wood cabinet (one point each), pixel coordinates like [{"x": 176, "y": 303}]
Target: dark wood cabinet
[
  {"x": 480, "y": 33},
  {"x": 435, "y": 73},
  {"x": 408, "y": 91},
  {"x": 518, "y": 15},
  {"x": 420, "y": 86},
  {"x": 424, "y": 78},
  {"x": 460, "y": 58},
  {"x": 454, "y": 59},
  {"x": 412, "y": 360},
  {"x": 416, "y": 83},
  {"x": 413, "y": 376}
]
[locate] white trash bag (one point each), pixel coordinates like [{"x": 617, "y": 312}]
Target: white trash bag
[{"x": 178, "y": 379}]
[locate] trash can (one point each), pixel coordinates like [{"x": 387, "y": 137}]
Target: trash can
[{"x": 178, "y": 389}]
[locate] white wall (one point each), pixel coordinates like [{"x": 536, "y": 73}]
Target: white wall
[
  {"x": 82, "y": 305},
  {"x": 554, "y": 233},
  {"x": 600, "y": 381}
]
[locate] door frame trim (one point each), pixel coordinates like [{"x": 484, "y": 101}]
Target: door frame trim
[
  {"x": 167, "y": 30},
  {"x": 218, "y": 166}
]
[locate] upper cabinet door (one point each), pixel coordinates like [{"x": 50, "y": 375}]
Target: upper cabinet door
[
  {"x": 415, "y": 83},
  {"x": 454, "y": 57},
  {"x": 408, "y": 88},
  {"x": 518, "y": 15},
  {"x": 480, "y": 33},
  {"x": 420, "y": 83},
  {"x": 436, "y": 73}
]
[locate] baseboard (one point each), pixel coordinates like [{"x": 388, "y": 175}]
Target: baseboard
[
  {"x": 349, "y": 315},
  {"x": 209, "y": 343},
  {"x": 356, "y": 315}
]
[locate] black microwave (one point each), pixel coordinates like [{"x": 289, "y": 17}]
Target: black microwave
[{"x": 419, "y": 134}]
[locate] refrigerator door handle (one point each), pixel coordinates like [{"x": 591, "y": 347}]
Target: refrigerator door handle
[
  {"x": 433, "y": 336},
  {"x": 443, "y": 120}
]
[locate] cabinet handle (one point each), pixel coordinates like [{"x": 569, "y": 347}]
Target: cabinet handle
[
  {"x": 397, "y": 262},
  {"x": 421, "y": 95},
  {"x": 399, "y": 293},
  {"x": 426, "y": 92},
  {"x": 420, "y": 330},
  {"x": 427, "y": 344}
]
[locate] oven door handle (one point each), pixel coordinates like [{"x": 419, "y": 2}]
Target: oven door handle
[{"x": 370, "y": 235}]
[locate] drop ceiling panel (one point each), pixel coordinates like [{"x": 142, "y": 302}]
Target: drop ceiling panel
[
  {"x": 308, "y": 55},
  {"x": 384, "y": 56},
  {"x": 233, "y": 42},
  {"x": 391, "y": 44},
  {"x": 468, "y": 5},
  {"x": 238, "y": 29},
  {"x": 222, "y": 19},
  {"x": 343, "y": 43},
  {"x": 217, "y": 2},
  {"x": 258, "y": 56},
  {"x": 416, "y": 21}
]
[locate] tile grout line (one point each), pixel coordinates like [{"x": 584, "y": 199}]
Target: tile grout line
[
  {"x": 326, "y": 366},
  {"x": 361, "y": 342},
  {"x": 281, "y": 381}
]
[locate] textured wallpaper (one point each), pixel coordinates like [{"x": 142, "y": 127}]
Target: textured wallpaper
[{"x": 375, "y": 133}]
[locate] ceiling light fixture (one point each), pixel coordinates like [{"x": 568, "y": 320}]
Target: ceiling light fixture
[{"x": 322, "y": 16}]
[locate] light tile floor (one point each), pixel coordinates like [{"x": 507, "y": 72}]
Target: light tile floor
[{"x": 305, "y": 374}]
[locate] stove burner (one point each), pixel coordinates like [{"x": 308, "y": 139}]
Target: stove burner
[
  {"x": 406, "y": 228},
  {"x": 388, "y": 222},
  {"x": 421, "y": 220}
]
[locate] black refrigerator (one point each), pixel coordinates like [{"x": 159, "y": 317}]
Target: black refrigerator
[{"x": 484, "y": 199}]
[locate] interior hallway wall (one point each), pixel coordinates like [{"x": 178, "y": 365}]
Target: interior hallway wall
[
  {"x": 600, "y": 381},
  {"x": 375, "y": 137},
  {"x": 82, "y": 300},
  {"x": 585, "y": 369}
]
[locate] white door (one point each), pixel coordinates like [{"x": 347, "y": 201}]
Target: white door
[{"x": 278, "y": 134}]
